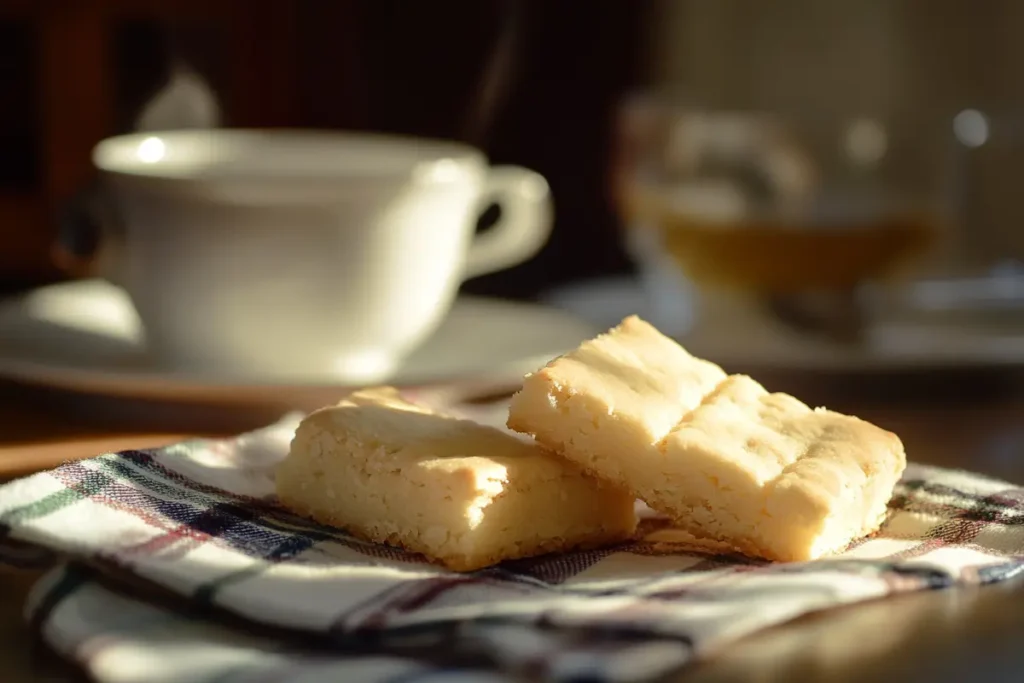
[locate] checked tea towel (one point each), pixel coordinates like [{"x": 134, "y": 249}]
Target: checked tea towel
[{"x": 180, "y": 566}]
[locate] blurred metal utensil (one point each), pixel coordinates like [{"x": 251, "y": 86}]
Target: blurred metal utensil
[
  {"x": 185, "y": 100},
  {"x": 497, "y": 76}
]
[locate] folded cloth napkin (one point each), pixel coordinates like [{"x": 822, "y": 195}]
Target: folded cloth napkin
[{"x": 180, "y": 566}]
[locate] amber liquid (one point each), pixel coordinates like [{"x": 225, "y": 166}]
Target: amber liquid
[{"x": 780, "y": 255}]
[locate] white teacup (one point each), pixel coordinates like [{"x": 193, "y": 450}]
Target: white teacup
[{"x": 303, "y": 254}]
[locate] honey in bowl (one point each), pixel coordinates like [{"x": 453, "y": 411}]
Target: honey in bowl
[{"x": 785, "y": 250}]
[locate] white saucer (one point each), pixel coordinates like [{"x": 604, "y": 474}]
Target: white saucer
[
  {"x": 85, "y": 336},
  {"x": 738, "y": 338}
]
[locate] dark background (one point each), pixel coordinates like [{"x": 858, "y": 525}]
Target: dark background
[{"x": 532, "y": 82}]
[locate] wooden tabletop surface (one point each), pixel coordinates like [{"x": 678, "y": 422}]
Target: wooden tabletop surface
[{"x": 934, "y": 637}]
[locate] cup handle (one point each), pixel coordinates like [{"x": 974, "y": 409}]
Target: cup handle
[
  {"x": 526, "y": 218},
  {"x": 86, "y": 239}
]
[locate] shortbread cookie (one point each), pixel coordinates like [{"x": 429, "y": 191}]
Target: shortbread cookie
[
  {"x": 458, "y": 492},
  {"x": 629, "y": 386},
  {"x": 774, "y": 478},
  {"x": 738, "y": 467}
]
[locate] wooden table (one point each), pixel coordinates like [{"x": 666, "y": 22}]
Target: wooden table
[{"x": 936, "y": 637}]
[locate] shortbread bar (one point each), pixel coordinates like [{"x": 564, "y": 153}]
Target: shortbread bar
[
  {"x": 775, "y": 478},
  {"x": 739, "y": 468},
  {"x": 460, "y": 493},
  {"x": 634, "y": 382}
]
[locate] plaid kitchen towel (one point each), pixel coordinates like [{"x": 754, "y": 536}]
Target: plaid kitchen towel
[{"x": 173, "y": 550}]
